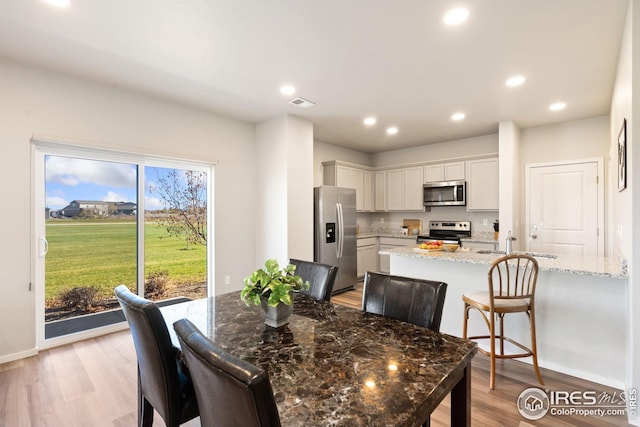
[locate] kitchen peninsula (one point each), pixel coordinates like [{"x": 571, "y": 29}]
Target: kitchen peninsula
[{"x": 580, "y": 307}]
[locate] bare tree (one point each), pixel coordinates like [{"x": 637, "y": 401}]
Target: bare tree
[{"x": 185, "y": 198}]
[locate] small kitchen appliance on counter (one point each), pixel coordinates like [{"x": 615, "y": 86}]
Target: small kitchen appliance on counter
[
  {"x": 449, "y": 232},
  {"x": 413, "y": 226}
]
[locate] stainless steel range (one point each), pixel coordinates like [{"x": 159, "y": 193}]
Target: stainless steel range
[{"x": 447, "y": 231}]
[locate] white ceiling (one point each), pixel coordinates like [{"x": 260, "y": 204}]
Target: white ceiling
[{"x": 393, "y": 59}]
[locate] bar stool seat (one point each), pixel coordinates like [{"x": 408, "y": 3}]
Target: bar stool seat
[
  {"x": 482, "y": 300},
  {"x": 512, "y": 283}
]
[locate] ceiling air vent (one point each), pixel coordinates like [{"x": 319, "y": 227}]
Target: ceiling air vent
[{"x": 301, "y": 102}]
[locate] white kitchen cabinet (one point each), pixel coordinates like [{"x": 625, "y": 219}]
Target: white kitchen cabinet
[
  {"x": 404, "y": 189},
  {"x": 482, "y": 184},
  {"x": 395, "y": 189},
  {"x": 390, "y": 243},
  {"x": 368, "y": 191},
  {"x": 452, "y": 171},
  {"x": 351, "y": 178},
  {"x": 367, "y": 255},
  {"x": 413, "y": 193},
  {"x": 380, "y": 188},
  {"x": 348, "y": 177}
]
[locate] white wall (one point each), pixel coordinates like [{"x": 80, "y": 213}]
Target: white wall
[
  {"x": 441, "y": 151},
  {"x": 577, "y": 139},
  {"x": 285, "y": 209},
  {"x": 625, "y": 205},
  {"x": 510, "y": 178},
  {"x": 300, "y": 189},
  {"x": 49, "y": 104},
  {"x": 324, "y": 152},
  {"x": 271, "y": 141}
]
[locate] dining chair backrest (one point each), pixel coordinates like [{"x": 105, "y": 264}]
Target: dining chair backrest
[
  {"x": 513, "y": 277},
  {"x": 230, "y": 391},
  {"x": 161, "y": 382},
  {"x": 320, "y": 277},
  {"x": 411, "y": 300}
]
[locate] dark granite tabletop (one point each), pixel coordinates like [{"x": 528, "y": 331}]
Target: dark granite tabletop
[{"x": 336, "y": 366}]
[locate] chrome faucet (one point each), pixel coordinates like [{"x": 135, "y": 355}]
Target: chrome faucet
[{"x": 509, "y": 248}]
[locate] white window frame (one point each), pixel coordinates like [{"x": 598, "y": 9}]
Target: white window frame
[{"x": 39, "y": 150}]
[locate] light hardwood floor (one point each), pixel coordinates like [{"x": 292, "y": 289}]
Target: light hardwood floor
[{"x": 93, "y": 383}]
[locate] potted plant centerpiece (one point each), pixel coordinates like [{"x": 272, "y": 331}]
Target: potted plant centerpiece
[{"x": 271, "y": 288}]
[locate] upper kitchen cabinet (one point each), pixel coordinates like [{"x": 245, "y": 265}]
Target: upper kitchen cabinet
[
  {"x": 368, "y": 192},
  {"x": 380, "y": 186},
  {"x": 404, "y": 189},
  {"x": 454, "y": 171},
  {"x": 482, "y": 184},
  {"x": 351, "y": 177}
]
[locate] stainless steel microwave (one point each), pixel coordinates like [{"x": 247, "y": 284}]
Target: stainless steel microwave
[{"x": 445, "y": 193}]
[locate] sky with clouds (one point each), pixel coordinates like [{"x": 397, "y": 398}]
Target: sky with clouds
[{"x": 70, "y": 179}]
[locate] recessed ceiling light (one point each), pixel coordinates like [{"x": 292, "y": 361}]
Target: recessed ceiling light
[
  {"x": 370, "y": 121},
  {"x": 557, "y": 106},
  {"x": 287, "y": 90},
  {"x": 392, "y": 130},
  {"x": 515, "y": 81},
  {"x": 59, "y": 3},
  {"x": 458, "y": 116},
  {"x": 456, "y": 16}
]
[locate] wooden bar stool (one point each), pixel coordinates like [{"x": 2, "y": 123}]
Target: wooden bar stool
[{"x": 512, "y": 285}]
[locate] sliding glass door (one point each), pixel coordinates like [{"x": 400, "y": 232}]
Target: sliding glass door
[
  {"x": 175, "y": 233},
  {"x": 104, "y": 219}
]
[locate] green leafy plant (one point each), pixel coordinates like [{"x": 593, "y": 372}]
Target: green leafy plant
[{"x": 272, "y": 282}]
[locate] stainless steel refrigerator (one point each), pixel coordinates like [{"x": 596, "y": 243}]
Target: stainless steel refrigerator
[{"x": 335, "y": 233}]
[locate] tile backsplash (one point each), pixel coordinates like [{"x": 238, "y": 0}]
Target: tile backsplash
[{"x": 390, "y": 222}]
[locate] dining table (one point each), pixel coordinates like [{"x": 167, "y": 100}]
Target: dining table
[{"x": 333, "y": 365}]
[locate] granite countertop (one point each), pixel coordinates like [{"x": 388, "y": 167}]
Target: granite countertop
[
  {"x": 334, "y": 365},
  {"x": 476, "y": 238},
  {"x": 587, "y": 265}
]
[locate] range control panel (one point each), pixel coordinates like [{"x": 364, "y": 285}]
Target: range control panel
[{"x": 450, "y": 225}]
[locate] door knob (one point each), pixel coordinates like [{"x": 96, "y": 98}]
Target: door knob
[{"x": 534, "y": 236}]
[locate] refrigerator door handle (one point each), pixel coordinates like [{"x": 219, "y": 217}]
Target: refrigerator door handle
[{"x": 340, "y": 230}]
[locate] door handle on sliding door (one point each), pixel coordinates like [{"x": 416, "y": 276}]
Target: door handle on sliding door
[{"x": 43, "y": 247}]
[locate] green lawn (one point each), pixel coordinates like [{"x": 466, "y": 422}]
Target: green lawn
[{"x": 103, "y": 254}]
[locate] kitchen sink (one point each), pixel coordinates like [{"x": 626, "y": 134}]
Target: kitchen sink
[{"x": 533, "y": 254}]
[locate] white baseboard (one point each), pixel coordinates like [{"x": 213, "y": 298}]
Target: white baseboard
[
  {"x": 17, "y": 356},
  {"x": 610, "y": 382}
]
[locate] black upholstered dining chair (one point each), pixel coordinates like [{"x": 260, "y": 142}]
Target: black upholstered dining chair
[
  {"x": 163, "y": 383},
  {"x": 230, "y": 391},
  {"x": 411, "y": 300},
  {"x": 320, "y": 277}
]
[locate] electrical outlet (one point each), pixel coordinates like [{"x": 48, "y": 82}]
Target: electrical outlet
[
  {"x": 485, "y": 221},
  {"x": 227, "y": 280}
]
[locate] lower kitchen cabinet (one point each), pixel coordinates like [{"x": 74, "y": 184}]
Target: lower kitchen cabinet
[
  {"x": 390, "y": 243},
  {"x": 492, "y": 246},
  {"x": 367, "y": 255}
]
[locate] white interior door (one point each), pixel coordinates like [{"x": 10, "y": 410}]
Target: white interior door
[{"x": 564, "y": 208}]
